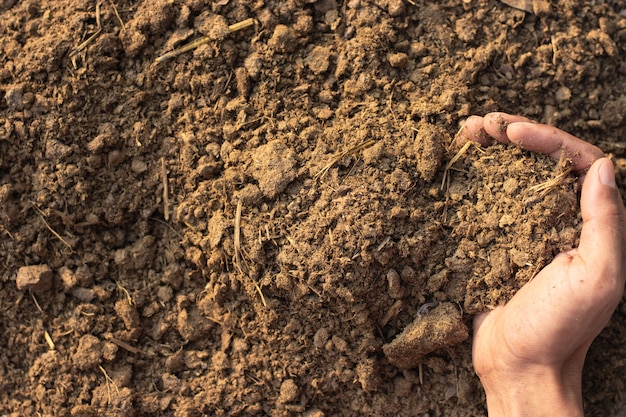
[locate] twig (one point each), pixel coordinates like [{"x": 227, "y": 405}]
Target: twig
[
  {"x": 123, "y": 345},
  {"x": 203, "y": 40}
]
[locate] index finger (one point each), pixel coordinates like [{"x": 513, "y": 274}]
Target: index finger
[{"x": 543, "y": 139}]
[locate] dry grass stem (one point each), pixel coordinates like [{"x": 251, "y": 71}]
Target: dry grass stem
[
  {"x": 546, "y": 187},
  {"x": 565, "y": 168},
  {"x": 89, "y": 40},
  {"x": 322, "y": 173},
  {"x": 166, "y": 202},
  {"x": 58, "y": 236},
  {"x": 240, "y": 262},
  {"x": 125, "y": 291},
  {"x": 109, "y": 382},
  {"x": 36, "y": 303},
  {"x": 241, "y": 266},
  {"x": 49, "y": 340},
  {"x": 455, "y": 158},
  {"x": 119, "y": 19},
  {"x": 204, "y": 40}
]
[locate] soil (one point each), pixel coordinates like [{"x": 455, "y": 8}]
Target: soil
[{"x": 269, "y": 224}]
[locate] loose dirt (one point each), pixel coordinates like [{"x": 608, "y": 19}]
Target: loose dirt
[{"x": 268, "y": 225}]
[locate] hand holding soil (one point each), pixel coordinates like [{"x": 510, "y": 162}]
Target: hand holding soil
[{"x": 533, "y": 348}]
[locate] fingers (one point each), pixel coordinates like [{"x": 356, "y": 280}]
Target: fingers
[
  {"x": 495, "y": 125},
  {"x": 554, "y": 142},
  {"x": 473, "y": 131},
  {"x": 484, "y": 129},
  {"x": 531, "y": 136}
]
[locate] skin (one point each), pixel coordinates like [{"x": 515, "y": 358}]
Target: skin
[{"x": 529, "y": 353}]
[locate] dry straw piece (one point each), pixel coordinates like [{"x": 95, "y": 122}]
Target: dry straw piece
[{"x": 203, "y": 40}]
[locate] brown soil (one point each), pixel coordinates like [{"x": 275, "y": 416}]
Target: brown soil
[{"x": 265, "y": 225}]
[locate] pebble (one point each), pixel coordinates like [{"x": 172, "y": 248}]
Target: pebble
[
  {"x": 13, "y": 97},
  {"x": 37, "y": 278}
]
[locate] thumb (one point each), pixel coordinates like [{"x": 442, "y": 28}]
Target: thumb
[{"x": 601, "y": 239}]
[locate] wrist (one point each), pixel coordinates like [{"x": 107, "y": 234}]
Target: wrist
[{"x": 533, "y": 393}]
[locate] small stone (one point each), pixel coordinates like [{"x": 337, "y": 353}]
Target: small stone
[
  {"x": 394, "y": 284},
  {"x": 138, "y": 166},
  {"x": 85, "y": 295},
  {"x": 398, "y": 60},
  {"x": 318, "y": 59},
  {"x": 37, "y": 278},
  {"x": 288, "y": 391},
  {"x": 563, "y": 94},
  {"x": 284, "y": 39}
]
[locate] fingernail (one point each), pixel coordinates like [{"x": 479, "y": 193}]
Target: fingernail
[{"x": 606, "y": 173}]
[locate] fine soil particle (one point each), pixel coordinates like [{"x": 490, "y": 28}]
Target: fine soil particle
[{"x": 265, "y": 225}]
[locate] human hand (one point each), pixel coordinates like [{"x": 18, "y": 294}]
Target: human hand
[{"x": 529, "y": 354}]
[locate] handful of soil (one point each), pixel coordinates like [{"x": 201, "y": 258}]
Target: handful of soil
[{"x": 509, "y": 213}]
